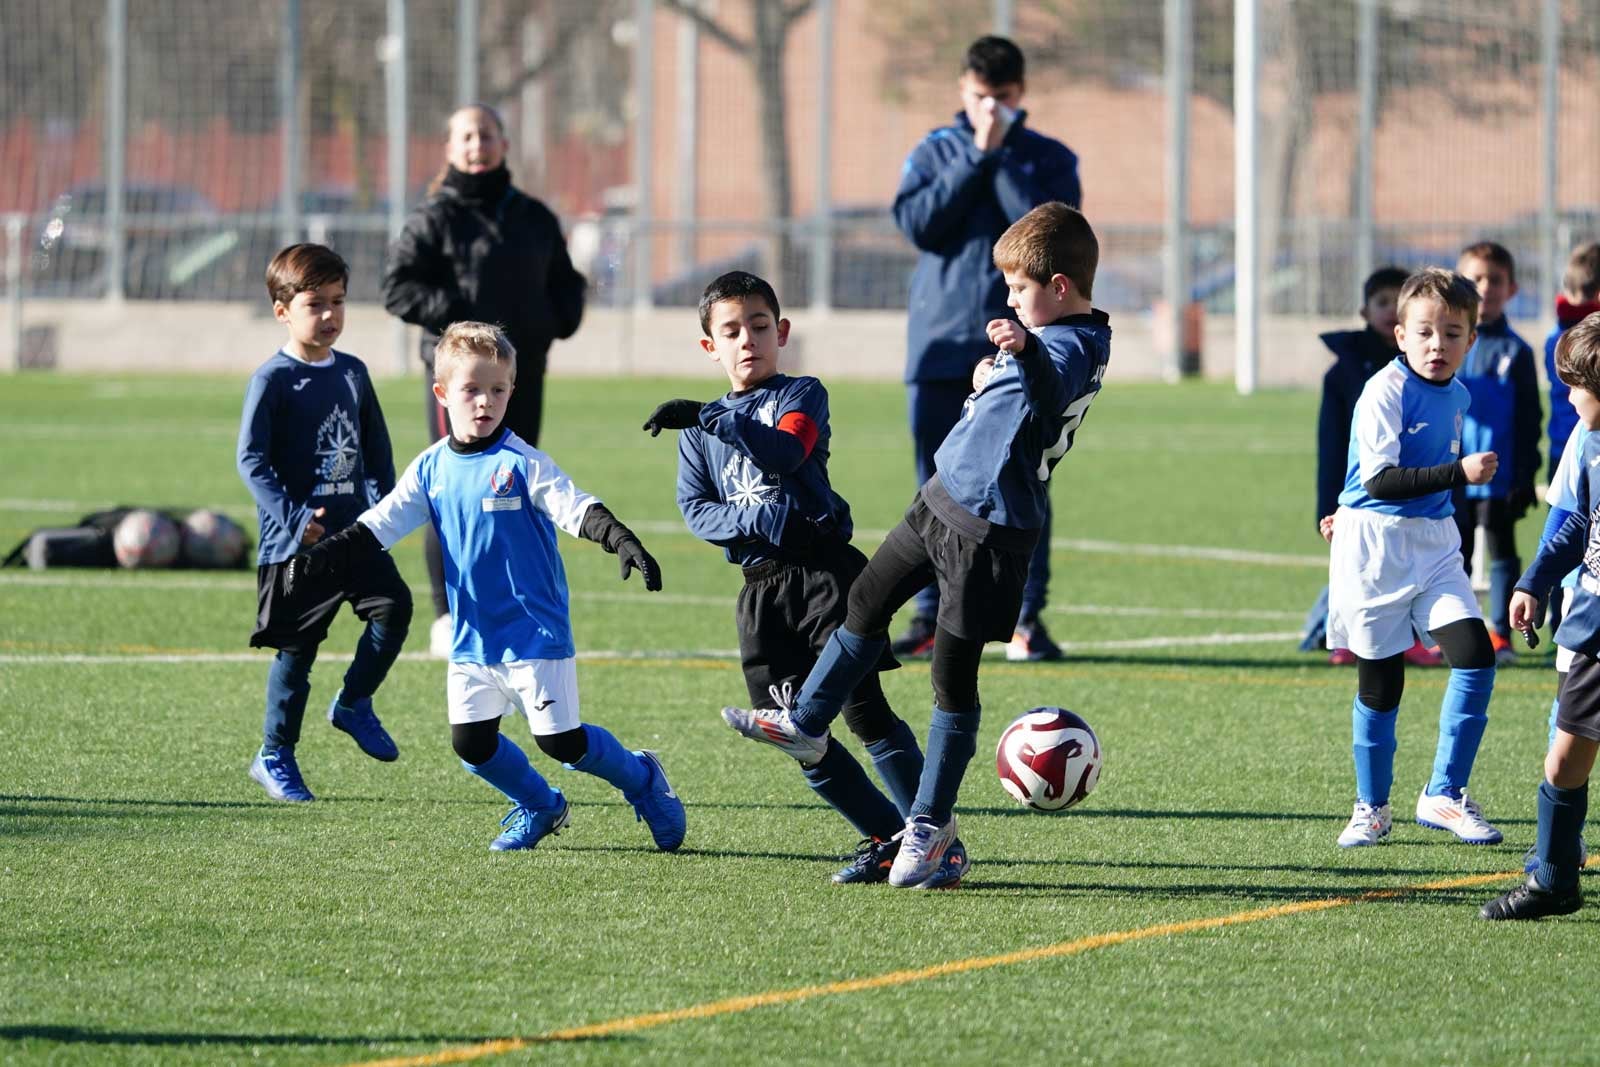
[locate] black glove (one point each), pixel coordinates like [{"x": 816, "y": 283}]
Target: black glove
[
  {"x": 1518, "y": 501},
  {"x": 803, "y": 536},
  {"x": 673, "y": 415},
  {"x": 633, "y": 555},
  {"x": 332, "y": 556}
]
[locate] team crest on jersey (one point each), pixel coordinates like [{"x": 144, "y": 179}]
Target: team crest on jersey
[
  {"x": 353, "y": 380},
  {"x": 338, "y": 446},
  {"x": 745, "y": 485},
  {"x": 502, "y": 481}
]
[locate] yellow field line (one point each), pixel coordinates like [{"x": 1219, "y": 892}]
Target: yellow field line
[{"x": 735, "y": 1005}]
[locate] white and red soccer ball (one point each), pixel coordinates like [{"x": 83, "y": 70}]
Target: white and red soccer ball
[
  {"x": 1049, "y": 759},
  {"x": 145, "y": 538},
  {"x": 210, "y": 539}
]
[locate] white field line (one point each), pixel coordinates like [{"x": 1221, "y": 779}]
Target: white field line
[
  {"x": 234, "y": 583},
  {"x": 613, "y": 655},
  {"x": 675, "y": 528}
]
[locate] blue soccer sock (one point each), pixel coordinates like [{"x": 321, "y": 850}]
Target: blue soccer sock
[
  {"x": 1373, "y": 749},
  {"x": 841, "y": 781},
  {"x": 288, "y": 689},
  {"x": 898, "y": 761},
  {"x": 1555, "y": 711},
  {"x": 845, "y": 660},
  {"x": 952, "y": 740},
  {"x": 1561, "y": 815},
  {"x": 609, "y": 761},
  {"x": 376, "y": 651},
  {"x": 1462, "y": 717},
  {"x": 509, "y": 771}
]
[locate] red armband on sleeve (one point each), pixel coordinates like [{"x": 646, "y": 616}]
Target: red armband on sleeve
[{"x": 802, "y": 427}]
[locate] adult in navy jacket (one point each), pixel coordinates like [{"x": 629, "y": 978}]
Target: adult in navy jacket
[{"x": 959, "y": 190}]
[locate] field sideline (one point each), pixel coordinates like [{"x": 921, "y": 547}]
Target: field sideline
[{"x": 158, "y": 908}]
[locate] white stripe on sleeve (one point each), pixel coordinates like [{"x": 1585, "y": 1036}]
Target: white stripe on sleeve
[
  {"x": 552, "y": 492},
  {"x": 403, "y": 510},
  {"x": 1379, "y": 423}
]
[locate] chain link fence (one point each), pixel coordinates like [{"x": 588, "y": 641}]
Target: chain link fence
[{"x": 159, "y": 151}]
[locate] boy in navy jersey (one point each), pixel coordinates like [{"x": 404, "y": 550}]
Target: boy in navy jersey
[
  {"x": 495, "y": 502},
  {"x": 972, "y": 526},
  {"x": 314, "y": 450},
  {"x": 1552, "y": 885},
  {"x": 1505, "y": 418},
  {"x": 753, "y": 478},
  {"x": 1396, "y": 561}
]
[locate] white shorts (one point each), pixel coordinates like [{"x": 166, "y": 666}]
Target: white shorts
[
  {"x": 1390, "y": 574},
  {"x": 545, "y": 690}
]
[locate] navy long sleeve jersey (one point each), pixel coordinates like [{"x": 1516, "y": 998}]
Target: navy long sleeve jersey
[
  {"x": 311, "y": 436},
  {"x": 996, "y": 462},
  {"x": 758, "y": 461}
]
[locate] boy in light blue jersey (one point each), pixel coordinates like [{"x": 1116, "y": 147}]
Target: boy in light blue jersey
[
  {"x": 1396, "y": 561},
  {"x": 1552, "y": 886},
  {"x": 972, "y": 526},
  {"x": 753, "y": 478},
  {"x": 496, "y": 502},
  {"x": 314, "y": 450}
]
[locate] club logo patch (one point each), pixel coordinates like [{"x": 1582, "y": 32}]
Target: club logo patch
[{"x": 502, "y": 481}]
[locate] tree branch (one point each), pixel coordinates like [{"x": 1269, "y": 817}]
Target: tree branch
[
  {"x": 532, "y": 73},
  {"x": 796, "y": 10},
  {"x": 711, "y": 26}
]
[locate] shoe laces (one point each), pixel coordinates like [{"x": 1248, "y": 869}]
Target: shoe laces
[
  {"x": 516, "y": 818},
  {"x": 1470, "y": 809},
  {"x": 1367, "y": 814},
  {"x": 782, "y": 696}
]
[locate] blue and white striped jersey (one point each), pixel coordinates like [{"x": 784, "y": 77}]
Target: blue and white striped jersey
[
  {"x": 758, "y": 460},
  {"x": 1404, "y": 420},
  {"x": 996, "y": 462},
  {"x": 311, "y": 436},
  {"x": 496, "y": 511}
]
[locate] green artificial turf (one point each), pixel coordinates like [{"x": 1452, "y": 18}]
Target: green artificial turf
[{"x": 156, "y": 907}]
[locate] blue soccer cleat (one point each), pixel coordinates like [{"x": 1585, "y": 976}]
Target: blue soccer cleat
[
  {"x": 526, "y": 827},
  {"x": 279, "y": 775},
  {"x": 871, "y": 863},
  {"x": 659, "y": 806},
  {"x": 359, "y": 721},
  {"x": 952, "y": 868}
]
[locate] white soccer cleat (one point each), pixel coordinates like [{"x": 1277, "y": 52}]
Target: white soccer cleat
[
  {"x": 923, "y": 844},
  {"x": 441, "y": 638},
  {"x": 1461, "y": 817},
  {"x": 776, "y": 727},
  {"x": 1369, "y": 824}
]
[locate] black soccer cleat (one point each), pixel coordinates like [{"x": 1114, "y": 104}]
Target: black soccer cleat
[
  {"x": 871, "y": 864},
  {"x": 1531, "y": 901}
]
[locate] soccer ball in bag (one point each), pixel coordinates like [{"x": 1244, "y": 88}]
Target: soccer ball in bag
[
  {"x": 145, "y": 538},
  {"x": 211, "y": 539},
  {"x": 1048, "y": 759}
]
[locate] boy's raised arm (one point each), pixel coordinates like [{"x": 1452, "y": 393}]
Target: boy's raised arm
[
  {"x": 779, "y": 449},
  {"x": 708, "y": 517}
]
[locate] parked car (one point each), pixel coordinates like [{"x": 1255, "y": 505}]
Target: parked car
[{"x": 160, "y": 220}]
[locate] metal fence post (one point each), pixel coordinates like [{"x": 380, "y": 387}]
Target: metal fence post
[
  {"x": 15, "y": 250},
  {"x": 1246, "y": 160},
  {"x": 1179, "y": 79},
  {"x": 644, "y": 76},
  {"x": 1004, "y": 13},
  {"x": 822, "y": 236},
  {"x": 1550, "y": 254},
  {"x": 289, "y": 118},
  {"x": 116, "y": 148},
  {"x": 395, "y": 47},
  {"x": 1366, "y": 131},
  {"x": 686, "y": 144},
  {"x": 466, "y": 52}
]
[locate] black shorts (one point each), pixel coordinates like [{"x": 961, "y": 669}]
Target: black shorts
[
  {"x": 787, "y": 611},
  {"x": 373, "y": 585},
  {"x": 980, "y": 586},
  {"x": 1578, "y": 709}
]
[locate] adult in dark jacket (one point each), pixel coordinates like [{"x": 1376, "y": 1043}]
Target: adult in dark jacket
[
  {"x": 478, "y": 248},
  {"x": 959, "y": 190}
]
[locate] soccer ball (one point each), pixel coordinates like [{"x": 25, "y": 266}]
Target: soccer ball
[
  {"x": 145, "y": 538},
  {"x": 211, "y": 539},
  {"x": 1048, "y": 759}
]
